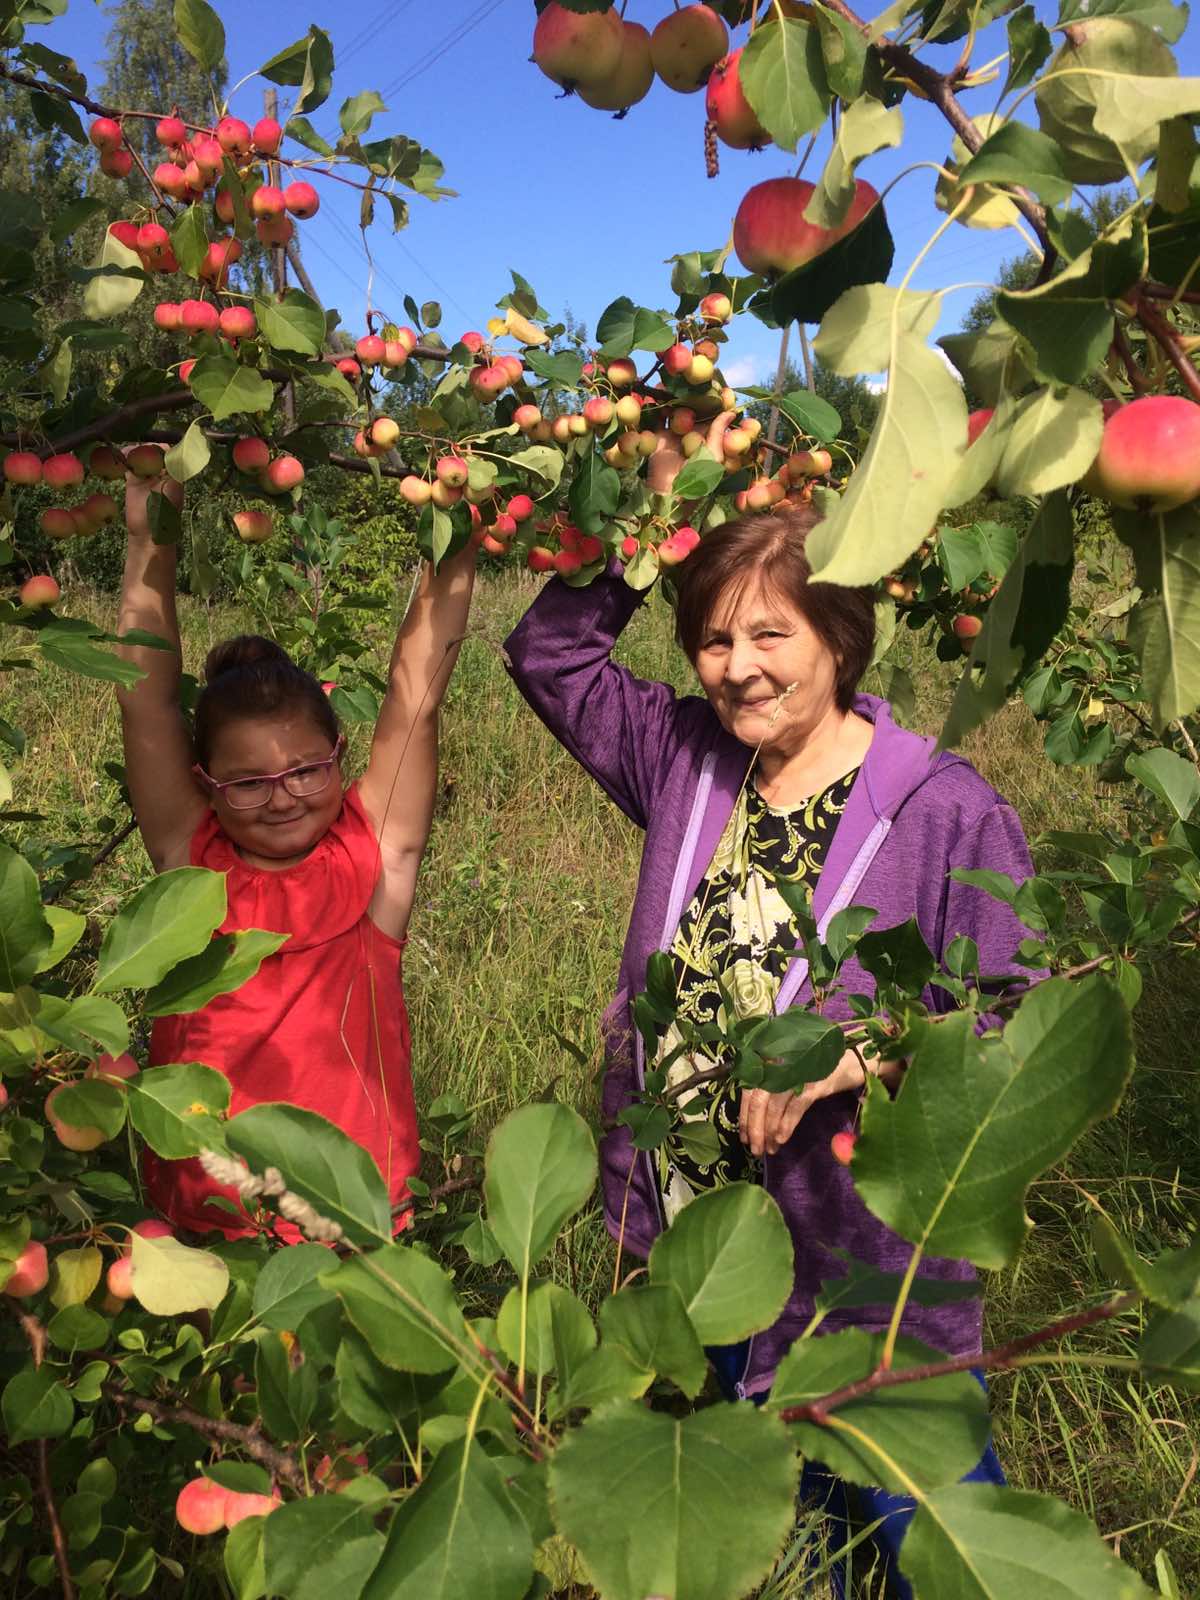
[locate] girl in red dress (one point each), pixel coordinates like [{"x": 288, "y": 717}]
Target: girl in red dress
[{"x": 255, "y": 791}]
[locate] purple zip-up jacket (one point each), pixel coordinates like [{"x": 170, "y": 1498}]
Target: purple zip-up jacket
[{"x": 911, "y": 817}]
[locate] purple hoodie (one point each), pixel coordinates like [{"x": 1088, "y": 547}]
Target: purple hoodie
[{"x": 912, "y": 815}]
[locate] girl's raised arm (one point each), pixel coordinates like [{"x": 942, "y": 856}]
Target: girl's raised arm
[
  {"x": 400, "y": 782},
  {"x": 158, "y": 758}
]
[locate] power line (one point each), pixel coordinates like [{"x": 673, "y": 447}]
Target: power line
[
  {"x": 428, "y": 60},
  {"x": 383, "y": 272},
  {"x": 365, "y": 34}
]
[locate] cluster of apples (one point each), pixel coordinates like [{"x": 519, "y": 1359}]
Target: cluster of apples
[
  {"x": 390, "y": 349},
  {"x": 562, "y": 548},
  {"x": 67, "y": 471},
  {"x": 203, "y": 316},
  {"x": 611, "y": 64},
  {"x": 274, "y": 475},
  {"x": 203, "y": 1506}
]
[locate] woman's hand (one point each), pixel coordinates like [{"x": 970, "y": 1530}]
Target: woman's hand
[
  {"x": 137, "y": 495},
  {"x": 766, "y": 1121},
  {"x": 668, "y": 459}
]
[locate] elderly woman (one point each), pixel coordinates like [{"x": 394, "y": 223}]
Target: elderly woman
[{"x": 780, "y": 770}]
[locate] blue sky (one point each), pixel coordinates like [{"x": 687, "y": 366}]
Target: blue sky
[{"x": 585, "y": 206}]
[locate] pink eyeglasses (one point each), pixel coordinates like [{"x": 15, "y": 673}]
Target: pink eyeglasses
[{"x": 245, "y": 794}]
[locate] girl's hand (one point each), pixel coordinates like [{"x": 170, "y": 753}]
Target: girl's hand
[
  {"x": 138, "y": 492},
  {"x": 767, "y": 1121}
]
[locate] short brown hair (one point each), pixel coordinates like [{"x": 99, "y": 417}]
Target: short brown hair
[
  {"x": 770, "y": 546},
  {"x": 250, "y": 676}
]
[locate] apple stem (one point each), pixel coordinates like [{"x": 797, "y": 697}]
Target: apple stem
[
  {"x": 1138, "y": 381},
  {"x": 36, "y": 1335}
]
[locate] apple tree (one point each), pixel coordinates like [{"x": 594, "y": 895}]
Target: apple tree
[{"x": 331, "y": 1411}]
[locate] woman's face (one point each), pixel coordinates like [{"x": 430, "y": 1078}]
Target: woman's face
[
  {"x": 768, "y": 674},
  {"x": 287, "y": 826}
]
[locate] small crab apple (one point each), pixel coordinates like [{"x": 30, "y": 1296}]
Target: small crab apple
[
  {"x": 148, "y": 1228},
  {"x": 253, "y": 527},
  {"x": 683, "y": 420},
  {"x": 199, "y": 316},
  {"x": 621, "y": 373},
  {"x": 56, "y": 522},
  {"x": 170, "y": 179},
  {"x": 105, "y": 133},
  {"x": 223, "y": 205},
  {"x": 116, "y": 1070},
  {"x": 560, "y": 430},
  {"x": 628, "y": 410},
  {"x": 473, "y": 340},
  {"x": 630, "y": 545},
  {"x": 363, "y": 447},
  {"x": 171, "y": 132},
  {"x": 1149, "y": 457},
  {"x": 107, "y": 463},
  {"x": 240, "y": 1506},
  {"x": 415, "y": 490},
  {"x": 574, "y": 48},
  {"x": 62, "y": 471},
  {"x": 716, "y": 308},
  {"x": 218, "y": 259},
  {"x": 200, "y": 1506},
  {"x": 630, "y": 80},
  {"x": 74, "y": 1136},
  {"x": 30, "y": 1273},
  {"x": 504, "y": 526},
  {"x": 540, "y": 559},
  {"x": 444, "y": 495},
  {"x": 770, "y": 234},
  {"x": 153, "y": 243},
  {"x": 283, "y": 474},
  {"x": 370, "y": 349},
  {"x": 267, "y": 202},
  {"x": 527, "y": 418},
  {"x": 686, "y": 46},
  {"x": 842, "y": 1144},
  {"x": 209, "y": 158},
  {"x": 407, "y": 338},
  {"x": 512, "y": 365},
  {"x": 281, "y": 231},
  {"x": 966, "y": 627},
  {"x": 251, "y": 455},
  {"x": 566, "y": 562},
  {"x": 302, "y": 200},
  {"x": 452, "y": 471},
  {"x": 23, "y": 467},
  {"x": 520, "y": 507},
  {"x": 699, "y": 370},
  {"x": 690, "y": 444},
  {"x": 116, "y": 163},
  {"x": 234, "y": 137},
  {"x": 40, "y": 590},
  {"x": 494, "y": 546},
  {"x": 976, "y": 423},
  {"x": 598, "y": 411},
  {"x": 118, "y": 1280},
  {"x": 125, "y": 233},
  {"x": 185, "y": 370},
  {"x": 145, "y": 460},
  {"x": 100, "y": 509},
  {"x": 384, "y": 432},
  {"x": 237, "y": 322},
  {"x": 728, "y": 110},
  {"x": 489, "y": 381},
  {"x": 676, "y": 359},
  {"x": 349, "y": 369},
  {"x": 168, "y": 315},
  {"x": 267, "y": 136}
]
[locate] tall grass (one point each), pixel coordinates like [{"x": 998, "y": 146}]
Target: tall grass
[{"x": 513, "y": 951}]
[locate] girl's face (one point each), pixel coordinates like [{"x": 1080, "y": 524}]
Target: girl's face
[
  {"x": 287, "y": 826},
  {"x": 768, "y": 674}
]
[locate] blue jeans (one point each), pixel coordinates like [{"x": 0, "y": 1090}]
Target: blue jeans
[{"x": 819, "y": 1486}]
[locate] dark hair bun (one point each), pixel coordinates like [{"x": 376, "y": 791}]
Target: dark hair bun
[{"x": 246, "y": 650}]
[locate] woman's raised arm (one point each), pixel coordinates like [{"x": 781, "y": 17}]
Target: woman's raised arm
[
  {"x": 400, "y": 782},
  {"x": 158, "y": 758}
]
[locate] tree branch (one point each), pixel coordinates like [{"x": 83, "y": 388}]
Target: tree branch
[
  {"x": 98, "y": 860},
  {"x": 1155, "y": 324},
  {"x": 246, "y": 1437},
  {"x": 36, "y": 1335},
  {"x": 1004, "y": 1355}
]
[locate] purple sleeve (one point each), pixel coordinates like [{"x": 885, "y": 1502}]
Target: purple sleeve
[
  {"x": 620, "y": 728},
  {"x": 995, "y": 841}
]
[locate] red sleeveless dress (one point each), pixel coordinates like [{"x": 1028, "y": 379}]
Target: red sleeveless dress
[{"x": 322, "y": 1024}]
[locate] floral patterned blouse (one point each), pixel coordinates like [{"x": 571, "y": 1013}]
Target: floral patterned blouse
[{"x": 738, "y": 928}]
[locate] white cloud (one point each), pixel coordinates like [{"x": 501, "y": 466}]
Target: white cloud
[{"x": 742, "y": 369}]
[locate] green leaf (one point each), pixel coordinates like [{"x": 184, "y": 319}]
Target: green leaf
[
  {"x": 1170, "y": 1281},
  {"x": 1053, "y": 440},
  {"x": 866, "y": 126},
  {"x": 565, "y": 368},
  {"x": 189, "y": 239},
  {"x": 1177, "y": 151},
  {"x": 1165, "y": 628},
  {"x": 190, "y": 456},
  {"x": 1129, "y": 108},
  {"x": 1165, "y": 18},
  {"x": 286, "y": 1289},
  {"x": 245, "y": 1567},
  {"x": 67, "y": 927},
  {"x": 25, "y": 934},
  {"x": 542, "y": 459},
  {"x": 169, "y": 1277},
  {"x": 990, "y": 361},
  {"x": 540, "y": 1168},
  {"x": 404, "y": 1306},
  {"x": 84, "y": 1023},
  {"x": 308, "y": 63},
  {"x": 857, "y": 330},
  {"x": 782, "y": 74},
  {"x": 955, "y": 1186},
  {"x": 359, "y": 112},
  {"x": 227, "y": 962},
  {"x": 36, "y": 1405},
  {"x": 965, "y": 554},
  {"x": 74, "y": 1274},
  {"x": 293, "y": 323},
  {"x": 558, "y": 1334},
  {"x": 1169, "y": 1349},
  {"x": 458, "y": 1534},
  {"x": 201, "y": 33},
  {"x": 607, "y": 1374},
  {"x": 287, "y": 1388},
  {"x": 729, "y": 1253},
  {"x": 845, "y": 53},
  {"x": 321, "y": 1546},
  {"x": 302, "y": 130},
  {"x": 978, "y": 1541},
  {"x": 624, "y": 327},
  {"x": 1097, "y": 54},
  {"x": 897, "y": 491},
  {"x": 1029, "y": 48},
  {"x": 1068, "y": 321},
  {"x": 320, "y": 1163},
  {"x": 698, "y": 476},
  {"x": 176, "y": 1108},
  {"x": 76, "y": 1328},
  {"x": 641, "y": 1496},
  {"x": 227, "y": 388},
  {"x": 76, "y": 653},
  {"x": 928, "y": 1433},
  {"x": 863, "y": 255},
  {"x": 811, "y": 414},
  {"x": 171, "y": 917},
  {"x": 164, "y": 517},
  {"x": 1021, "y": 621},
  {"x": 73, "y": 216},
  {"x": 1172, "y": 778},
  {"x": 1015, "y": 154},
  {"x": 91, "y": 1103},
  {"x": 108, "y": 294},
  {"x": 650, "y": 1324}
]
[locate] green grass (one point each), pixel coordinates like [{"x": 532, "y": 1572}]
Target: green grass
[{"x": 514, "y": 945}]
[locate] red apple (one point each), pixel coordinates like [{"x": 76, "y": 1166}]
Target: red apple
[
  {"x": 770, "y": 234},
  {"x": 302, "y": 200},
  {"x": 1149, "y": 458},
  {"x": 630, "y": 80},
  {"x": 573, "y": 47},
  {"x": 200, "y": 1506},
  {"x": 686, "y": 46},
  {"x": 40, "y": 590},
  {"x": 62, "y": 472},
  {"x": 729, "y": 111},
  {"x": 31, "y": 1272},
  {"x": 842, "y": 1144},
  {"x": 23, "y": 467}
]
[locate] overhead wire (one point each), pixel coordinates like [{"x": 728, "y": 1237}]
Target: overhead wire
[{"x": 434, "y": 55}]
